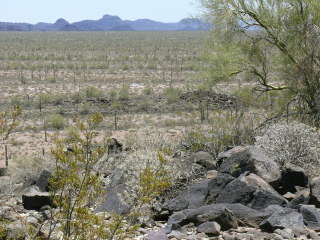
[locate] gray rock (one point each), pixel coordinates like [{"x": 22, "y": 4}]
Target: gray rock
[
  {"x": 36, "y": 200},
  {"x": 209, "y": 228},
  {"x": 292, "y": 176},
  {"x": 204, "y": 159},
  {"x": 216, "y": 185},
  {"x": 115, "y": 200},
  {"x": 315, "y": 192},
  {"x": 236, "y": 192},
  {"x": 216, "y": 212},
  {"x": 264, "y": 194},
  {"x": 298, "y": 200},
  {"x": 241, "y": 159},
  {"x": 193, "y": 197},
  {"x": 311, "y": 217},
  {"x": 282, "y": 220},
  {"x": 247, "y": 216},
  {"x": 156, "y": 236},
  {"x": 43, "y": 181}
]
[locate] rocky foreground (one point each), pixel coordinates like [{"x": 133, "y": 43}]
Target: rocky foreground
[{"x": 246, "y": 195}]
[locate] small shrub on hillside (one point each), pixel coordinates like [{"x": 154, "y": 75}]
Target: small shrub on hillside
[
  {"x": 85, "y": 109},
  {"x": 124, "y": 93},
  {"x": 222, "y": 131},
  {"x": 58, "y": 99},
  {"x": 93, "y": 92},
  {"x": 55, "y": 121},
  {"x": 294, "y": 142},
  {"x": 78, "y": 97},
  {"x": 172, "y": 94}
]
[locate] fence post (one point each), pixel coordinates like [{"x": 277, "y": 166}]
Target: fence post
[{"x": 6, "y": 154}]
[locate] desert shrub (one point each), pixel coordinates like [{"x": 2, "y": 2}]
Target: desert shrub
[
  {"x": 93, "y": 92},
  {"x": 61, "y": 110},
  {"x": 148, "y": 91},
  {"x": 55, "y": 121},
  {"x": 124, "y": 93},
  {"x": 172, "y": 94},
  {"x": 293, "y": 142},
  {"x": 84, "y": 108},
  {"x": 24, "y": 170},
  {"x": 222, "y": 130},
  {"x": 43, "y": 99},
  {"x": 78, "y": 97},
  {"x": 58, "y": 99}
]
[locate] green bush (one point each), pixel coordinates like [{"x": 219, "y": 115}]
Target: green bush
[
  {"x": 93, "y": 92},
  {"x": 55, "y": 121},
  {"x": 294, "y": 142},
  {"x": 124, "y": 93},
  {"x": 172, "y": 94}
]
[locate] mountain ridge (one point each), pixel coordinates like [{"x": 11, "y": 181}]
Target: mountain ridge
[{"x": 108, "y": 23}]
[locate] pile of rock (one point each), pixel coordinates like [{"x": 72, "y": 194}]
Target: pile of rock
[
  {"x": 245, "y": 196},
  {"x": 247, "y": 191}
]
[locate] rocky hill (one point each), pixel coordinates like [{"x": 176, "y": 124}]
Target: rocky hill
[{"x": 108, "y": 23}]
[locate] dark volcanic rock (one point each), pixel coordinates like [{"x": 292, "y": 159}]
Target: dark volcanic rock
[
  {"x": 193, "y": 197},
  {"x": 216, "y": 212},
  {"x": 217, "y": 184},
  {"x": 43, "y": 181},
  {"x": 209, "y": 228},
  {"x": 292, "y": 176},
  {"x": 281, "y": 220},
  {"x": 315, "y": 191},
  {"x": 311, "y": 216},
  {"x": 236, "y": 192},
  {"x": 36, "y": 200},
  {"x": 242, "y": 159},
  {"x": 204, "y": 159}
]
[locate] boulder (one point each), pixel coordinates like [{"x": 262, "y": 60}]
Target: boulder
[
  {"x": 292, "y": 176},
  {"x": 251, "y": 190},
  {"x": 315, "y": 192},
  {"x": 216, "y": 185},
  {"x": 43, "y": 181},
  {"x": 216, "y": 212},
  {"x": 193, "y": 197},
  {"x": 209, "y": 228},
  {"x": 301, "y": 199},
  {"x": 115, "y": 200},
  {"x": 247, "y": 216},
  {"x": 204, "y": 159},
  {"x": 156, "y": 236},
  {"x": 236, "y": 192},
  {"x": 241, "y": 159},
  {"x": 34, "y": 200},
  {"x": 286, "y": 219},
  {"x": 311, "y": 216}
]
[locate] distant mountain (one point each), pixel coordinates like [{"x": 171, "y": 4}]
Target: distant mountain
[{"x": 108, "y": 23}]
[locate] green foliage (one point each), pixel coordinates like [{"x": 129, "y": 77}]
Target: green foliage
[
  {"x": 172, "y": 94},
  {"x": 281, "y": 50},
  {"x": 8, "y": 120},
  {"x": 93, "y": 92},
  {"x": 223, "y": 130},
  {"x": 55, "y": 121},
  {"x": 124, "y": 93},
  {"x": 74, "y": 186}
]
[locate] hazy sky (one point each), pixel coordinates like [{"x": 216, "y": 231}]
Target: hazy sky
[{"x": 33, "y": 11}]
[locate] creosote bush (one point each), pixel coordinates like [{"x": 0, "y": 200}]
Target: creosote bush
[
  {"x": 294, "y": 142},
  {"x": 222, "y": 130}
]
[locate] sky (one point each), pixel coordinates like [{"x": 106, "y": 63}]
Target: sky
[{"x": 34, "y": 11}]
